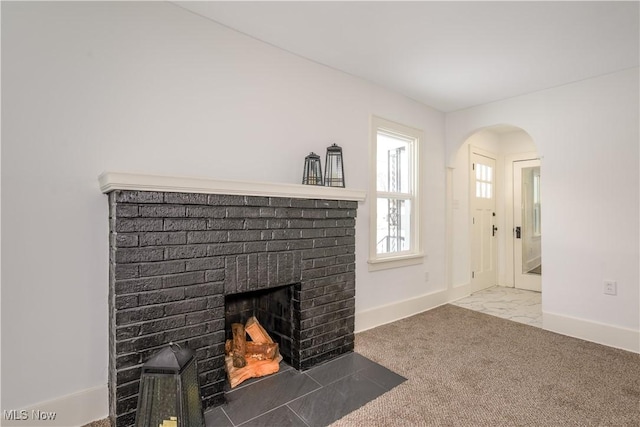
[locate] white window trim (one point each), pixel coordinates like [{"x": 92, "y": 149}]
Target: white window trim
[{"x": 415, "y": 255}]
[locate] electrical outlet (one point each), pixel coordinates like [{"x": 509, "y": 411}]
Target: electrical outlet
[
  {"x": 426, "y": 276},
  {"x": 610, "y": 287}
]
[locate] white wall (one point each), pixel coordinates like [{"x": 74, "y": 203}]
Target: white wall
[
  {"x": 587, "y": 134},
  {"x": 150, "y": 87}
]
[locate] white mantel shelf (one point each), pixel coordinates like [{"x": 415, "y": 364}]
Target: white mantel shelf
[{"x": 110, "y": 181}]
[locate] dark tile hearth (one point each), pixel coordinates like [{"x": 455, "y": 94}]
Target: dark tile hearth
[{"x": 313, "y": 398}]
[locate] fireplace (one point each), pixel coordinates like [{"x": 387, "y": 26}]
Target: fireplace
[
  {"x": 185, "y": 263},
  {"x": 272, "y": 307}
]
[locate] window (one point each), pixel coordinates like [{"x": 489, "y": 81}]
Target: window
[
  {"x": 394, "y": 233},
  {"x": 484, "y": 181}
]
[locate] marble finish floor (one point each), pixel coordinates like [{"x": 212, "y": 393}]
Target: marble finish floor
[
  {"x": 509, "y": 303},
  {"x": 313, "y": 398}
]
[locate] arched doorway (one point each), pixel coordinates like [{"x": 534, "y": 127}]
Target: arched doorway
[{"x": 495, "y": 210}]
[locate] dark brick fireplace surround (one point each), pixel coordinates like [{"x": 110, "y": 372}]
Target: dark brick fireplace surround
[{"x": 175, "y": 257}]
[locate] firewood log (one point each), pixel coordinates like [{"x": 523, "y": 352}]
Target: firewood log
[
  {"x": 261, "y": 351},
  {"x": 239, "y": 345},
  {"x": 248, "y": 359},
  {"x": 254, "y": 368},
  {"x": 257, "y": 332}
]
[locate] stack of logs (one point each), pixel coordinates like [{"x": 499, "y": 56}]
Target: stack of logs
[{"x": 248, "y": 359}]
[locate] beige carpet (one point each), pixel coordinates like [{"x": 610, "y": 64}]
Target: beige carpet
[{"x": 466, "y": 368}]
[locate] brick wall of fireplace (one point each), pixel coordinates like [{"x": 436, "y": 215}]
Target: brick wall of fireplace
[{"x": 174, "y": 257}]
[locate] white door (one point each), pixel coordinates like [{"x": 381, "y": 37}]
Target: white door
[
  {"x": 527, "y": 233},
  {"x": 483, "y": 220}
]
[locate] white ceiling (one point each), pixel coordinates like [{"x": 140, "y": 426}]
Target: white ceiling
[{"x": 449, "y": 55}]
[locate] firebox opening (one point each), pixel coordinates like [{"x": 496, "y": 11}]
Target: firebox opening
[{"x": 273, "y": 309}]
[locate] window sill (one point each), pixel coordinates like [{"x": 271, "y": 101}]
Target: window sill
[{"x": 377, "y": 264}]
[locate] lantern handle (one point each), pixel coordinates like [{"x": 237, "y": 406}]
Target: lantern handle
[{"x": 172, "y": 345}]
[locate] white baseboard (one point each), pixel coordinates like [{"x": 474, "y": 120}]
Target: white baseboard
[
  {"x": 382, "y": 315},
  {"x": 75, "y": 409},
  {"x": 609, "y": 335}
]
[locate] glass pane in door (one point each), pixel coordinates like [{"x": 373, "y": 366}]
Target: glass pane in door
[{"x": 531, "y": 221}]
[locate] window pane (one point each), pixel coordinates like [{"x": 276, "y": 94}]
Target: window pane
[
  {"x": 392, "y": 164},
  {"x": 484, "y": 181},
  {"x": 536, "y": 188},
  {"x": 393, "y": 225}
]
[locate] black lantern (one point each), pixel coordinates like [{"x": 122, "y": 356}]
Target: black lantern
[
  {"x": 312, "y": 174},
  {"x": 333, "y": 168},
  {"x": 169, "y": 390}
]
